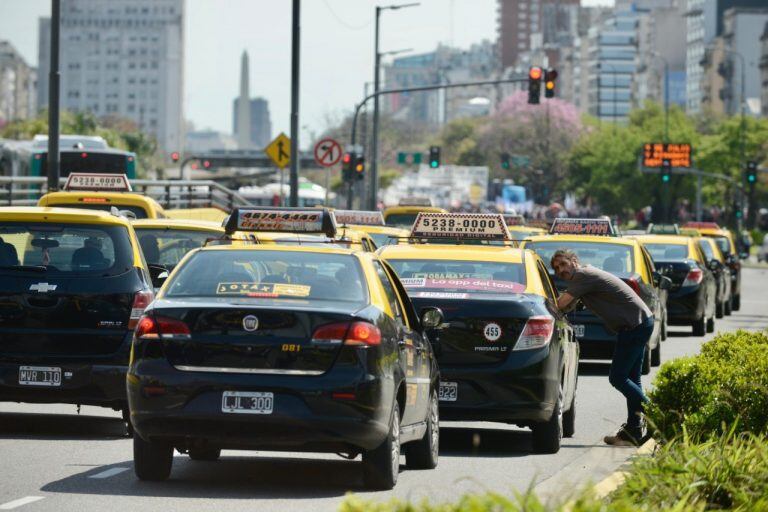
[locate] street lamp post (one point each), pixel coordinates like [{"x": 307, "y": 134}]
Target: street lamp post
[{"x": 376, "y": 86}]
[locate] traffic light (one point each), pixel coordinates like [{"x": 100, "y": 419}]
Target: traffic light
[
  {"x": 666, "y": 171},
  {"x": 505, "y": 161},
  {"x": 550, "y": 76},
  {"x": 751, "y": 172},
  {"x": 175, "y": 156},
  {"x": 534, "y": 85},
  {"x": 347, "y": 165},
  {"x": 206, "y": 164},
  {"x": 434, "y": 157},
  {"x": 360, "y": 166}
]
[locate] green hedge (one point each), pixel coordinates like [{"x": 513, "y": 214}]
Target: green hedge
[{"x": 705, "y": 394}]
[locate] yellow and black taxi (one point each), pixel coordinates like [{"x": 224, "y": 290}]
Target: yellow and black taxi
[
  {"x": 506, "y": 353},
  {"x": 284, "y": 347},
  {"x": 519, "y": 229},
  {"x": 74, "y": 287},
  {"x": 693, "y": 295},
  {"x": 93, "y": 191},
  {"x": 406, "y": 211},
  {"x": 719, "y": 267},
  {"x": 372, "y": 223},
  {"x": 725, "y": 242},
  {"x": 596, "y": 243}
]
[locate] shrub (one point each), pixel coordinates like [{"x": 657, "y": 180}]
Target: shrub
[{"x": 706, "y": 394}]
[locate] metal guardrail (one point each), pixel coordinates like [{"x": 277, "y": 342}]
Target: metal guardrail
[{"x": 171, "y": 194}]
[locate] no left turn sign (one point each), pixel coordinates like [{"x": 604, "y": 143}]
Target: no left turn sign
[{"x": 327, "y": 152}]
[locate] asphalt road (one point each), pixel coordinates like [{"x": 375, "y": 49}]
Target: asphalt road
[{"x": 51, "y": 458}]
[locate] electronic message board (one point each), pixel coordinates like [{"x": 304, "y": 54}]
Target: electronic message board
[{"x": 679, "y": 155}]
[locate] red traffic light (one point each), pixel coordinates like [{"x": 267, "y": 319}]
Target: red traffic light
[
  {"x": 535, "y": 73},
  {"x": 347, "y": 158},
  {"x": 206, "y": 164},
  {"x": 175, "y": 156}
]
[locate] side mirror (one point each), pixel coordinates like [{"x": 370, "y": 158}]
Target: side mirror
[
  {"x": 432, "y": 318},
  {"x": 743, "y": 255},
  {"x": 665, "y": 283},
  {"x": 158, "y": 274},
  {"x": 714, "y": 265}
]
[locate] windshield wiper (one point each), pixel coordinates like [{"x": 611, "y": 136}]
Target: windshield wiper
[{"x": 33, "y": 268}]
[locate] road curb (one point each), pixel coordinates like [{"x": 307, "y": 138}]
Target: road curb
[{"x": 612, "y": 482}]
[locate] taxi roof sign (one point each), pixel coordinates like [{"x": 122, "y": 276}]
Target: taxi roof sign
[
  {"x": 663, "y": 229},
  {"x": 485, "y": 226},
  {"x": 358, "y": 217},
  {"x": 582, "y": 227},
  {"x": 281, "y": 220},
  {"x": 702, "y": 225},
  {"x": 415, "y": 201},
  {"x": 514, "y": 219},
  {"x": 97, "y": 182}
]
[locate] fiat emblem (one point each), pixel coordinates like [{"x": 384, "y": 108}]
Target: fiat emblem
[{"x": 250, "y": 323}]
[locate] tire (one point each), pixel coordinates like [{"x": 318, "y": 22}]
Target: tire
[
  {"x": 729, "y": 306},
  {"x": 736, "y": 302},
  {"x": 152, "y": 460},
  {"x": 656, "y": 355},
  {"x": 548, "y": 434},
  {"x": 711, "y": 324},
  {"x": 700, "y": 326},
  {"x": 664, "y": 329},
  {"x": 569, "y": 418},
  {"x": 208, "y": 453},
  {"x": 646, "y": 368},
  {"x": 382, "y": 465},
  {"x": 720, "y": 309},
  {"x": 423, "y": 454}
]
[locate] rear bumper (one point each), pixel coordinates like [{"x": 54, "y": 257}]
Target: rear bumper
[
  {"x": 686, "y": 306},
  {"x": 83, "y": 384},
  {"x": 305, "y": 416},
  {"x": 521, "y": 390}
]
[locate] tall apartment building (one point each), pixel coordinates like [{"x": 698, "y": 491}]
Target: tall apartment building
[
  {"x": 742, "y": 29},
  {"x": 764, "y": 70},
  {"x": 17, "y": 85},
  {"x": 122, "y": 58}
]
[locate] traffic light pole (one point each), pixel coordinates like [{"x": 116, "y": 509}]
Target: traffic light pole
[
  {"x": 377, "y": 94},
  {"x": 295, "y": 46},
  {"x": 54, "y": 162},
  {"x": 699, "y": 181}
]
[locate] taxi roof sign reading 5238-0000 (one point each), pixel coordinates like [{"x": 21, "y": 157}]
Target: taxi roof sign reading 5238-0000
[
  {"x": 284, "y": 220},
  {"x": 582, "y": 227},
  {"x": 679, "y": 155},
  {"x": 97, "y": 182},
  {"x": 489, "y": 226},
  {"x": 358, "y": 217}
]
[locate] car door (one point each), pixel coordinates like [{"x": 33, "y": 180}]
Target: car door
[
  {"x": 410, "y": 348},
  {"x": 657, "y": 295}
]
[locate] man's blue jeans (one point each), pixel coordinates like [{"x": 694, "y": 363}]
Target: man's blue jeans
[{"x": 625, "y": 368}]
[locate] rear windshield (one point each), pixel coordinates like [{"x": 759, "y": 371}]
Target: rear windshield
[
  {"x": 138, "y": 211},
  {"x": 401, "y": 220},
  {"x": 723, "y": 243},
  {"x": 382, "y": 239},
  {"x": 269, "y": 274},
  {"x": 667, "y": 252},
  {"x": 166, "y": 247},
  {"x": 614, "y": 258},
  {"x": 64, "y": 249},
  {"x": 422, "y": 278}
]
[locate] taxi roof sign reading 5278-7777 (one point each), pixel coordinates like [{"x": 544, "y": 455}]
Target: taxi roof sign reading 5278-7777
[
  {"x": 654, "y": 154},
  {"x": 488, "y": 226}
]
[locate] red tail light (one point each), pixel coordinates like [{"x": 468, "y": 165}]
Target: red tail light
[
  {"x": 634, "y": 284},
  {"x": 537, "y": 333},
  {"x": 161, "y": 327},
  {"x": 694, "y": 277},
  {"x": 140, "y": 301},
  {"x": 354, "y": 334}
]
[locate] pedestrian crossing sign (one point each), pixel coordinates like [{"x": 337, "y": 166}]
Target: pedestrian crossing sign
[{"x": 279, "y": 150}]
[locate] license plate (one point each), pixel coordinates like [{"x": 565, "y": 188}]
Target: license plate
[
  {"x": 449, "y": 392},
  {"x": 247, "y": 402},
  {"x": 39, "y": 376},
  {"x": 578, "y": 330}
]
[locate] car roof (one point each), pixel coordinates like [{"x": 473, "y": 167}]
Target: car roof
[
  {"x": 413, "y": 209},
  {"x": 283, "y": 248},
  {"x": 664, "y": 239},
  {"x": 454, "y": 252},
  {"x": 192, "y": 225},
  {"x": 582, "y": 238},
  {"x": 53, "y": 214},
  {"x": 127, "y": 198},
  {"x": 387, "y": 230}
]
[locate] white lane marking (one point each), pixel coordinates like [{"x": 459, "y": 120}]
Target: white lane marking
[
  {"x": 21, "y": 501},
  {"x": 108, "y": 473}
]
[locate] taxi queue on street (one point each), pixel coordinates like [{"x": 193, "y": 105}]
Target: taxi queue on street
[{"x": 308, "y": 329}]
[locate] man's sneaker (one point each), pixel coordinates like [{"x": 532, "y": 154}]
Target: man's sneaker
[{"x": 626, "y": 436}]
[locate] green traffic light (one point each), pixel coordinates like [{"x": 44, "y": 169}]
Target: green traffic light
[
  {"x": 665, "y": 178},
  {"x": 433, "y": 164},
  {"x": 751, "y": 178}
]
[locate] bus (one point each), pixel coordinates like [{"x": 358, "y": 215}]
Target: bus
[
  {"x": 78, "y": 153},
  {"x": 310, "y": 194}
]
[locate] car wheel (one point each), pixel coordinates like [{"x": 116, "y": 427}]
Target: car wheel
[
  {"x": 656, "y": 355},
  {"x": 646, "y": 368},
  {"x": 700, "y": 326},
  {"x": 737, "y": 302},
  {"x": 382, "y": 465},
  {"x": 569, "y": 418},
  {"x": 152, "y": 460},
  {"x": 729, "y": 306},
  {"x": 548, "y": 434},
  {"x": 711, "y": 324},
  {"x": 720, "y": 309},
  {"x": 207, "y": 453},
  {"x": 423, "y": 454},
  {"x": 664, "y": 329}
]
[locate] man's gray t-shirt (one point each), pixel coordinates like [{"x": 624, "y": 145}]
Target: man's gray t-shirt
[{"x": 608, "y": 297}]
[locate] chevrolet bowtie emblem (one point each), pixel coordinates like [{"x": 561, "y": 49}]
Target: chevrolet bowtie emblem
[{"x": 43, "y": 287}]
